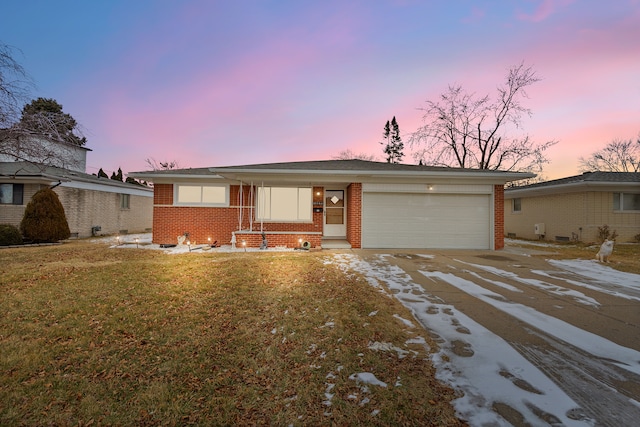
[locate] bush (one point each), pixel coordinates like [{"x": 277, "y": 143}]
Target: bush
[
  {"x": 9, "y": 235},
  {"x": 44, "y": 219},
  {"x": 604, "y": 233}
]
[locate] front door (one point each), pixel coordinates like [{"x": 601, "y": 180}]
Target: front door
[{"x": 334, "y": 213}]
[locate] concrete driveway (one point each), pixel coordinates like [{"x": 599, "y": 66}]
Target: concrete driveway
[{"x": 535, "y": 341}]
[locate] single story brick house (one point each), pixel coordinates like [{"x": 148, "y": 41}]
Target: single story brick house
[
  {"x": 92, "y": 205},
  {"x": 332, "y": 203},
  {"x": 573, "y": 208}
]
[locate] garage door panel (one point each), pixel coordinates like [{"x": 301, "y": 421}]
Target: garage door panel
[{"x": 401, "y": 220}]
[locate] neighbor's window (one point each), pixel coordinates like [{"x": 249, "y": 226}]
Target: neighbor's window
[
  {"x": 517, "y": 205},
  {"x": 626, "y": 202},
  {"x": 124, "y": 201},
  {"x": 11, "y": 194},
  {"x": 284, "y": 203},
  {"x": 210, "y": 195}
]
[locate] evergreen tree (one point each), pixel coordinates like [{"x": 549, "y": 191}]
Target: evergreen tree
[
  {"x": 392, "y": 141},
  {"x": 45, "y": 116},
  {"x": 44, "y": 219},
  {"x": 119, "y": 175},
  {"x": 101, "y": 174}
]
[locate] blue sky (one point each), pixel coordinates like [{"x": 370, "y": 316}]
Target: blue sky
[{"x": 211, "y": 83}]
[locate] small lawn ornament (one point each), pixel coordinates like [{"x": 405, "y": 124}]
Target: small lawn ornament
[{"x": 605, "y": 251}]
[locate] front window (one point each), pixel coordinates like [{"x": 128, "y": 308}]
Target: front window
[
  {"x": 626, "y": 201},
  {"x": 209, "y": 195},
  {"x": 11, "y": 194},
  {"x": 517, "y": 205},
  {"x": 284, "y": 204}
]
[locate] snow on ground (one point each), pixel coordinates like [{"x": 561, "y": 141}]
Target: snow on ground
[
  {"x": 143, "y": 241},
  {"x": 483, "y": 366},
  {"x": 554, "y": 289},
  {"x": 473, "y": 360},
  {"x": 610, "y": 281}
]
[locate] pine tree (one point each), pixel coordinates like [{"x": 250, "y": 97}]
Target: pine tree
[
  {"x": 392, "y": 141},
  {"x": 119, "y": 175},
  {"x": 396, "y": 142},
  {"x": 101, "y": 174},
  {"x": 44, "y": 219}
]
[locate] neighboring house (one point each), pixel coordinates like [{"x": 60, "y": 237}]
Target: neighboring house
[
  {"x": 42, "y": 151},
  {"x": 334, "y": 203},
  {"x": 92, "y": 205},
  {"x": 574, "y": 208}
]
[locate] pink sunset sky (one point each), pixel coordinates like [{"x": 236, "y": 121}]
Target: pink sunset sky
[{"x": 213, "y": 83}]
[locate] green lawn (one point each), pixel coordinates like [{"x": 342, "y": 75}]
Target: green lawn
[{"x": 96, "y": 336}]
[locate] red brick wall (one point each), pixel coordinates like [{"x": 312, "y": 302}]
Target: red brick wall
[
  {"x": 498, "y": 207},
  {"x": 163, "y": 194},
  {"x": 203, "y": 223},
  {"x": 354, "y": 215}
]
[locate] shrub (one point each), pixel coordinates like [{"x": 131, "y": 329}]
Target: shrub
[
  {"x": 637, "y": 238},
  {"x": 9, "y": 235},
  {"x": 604, "y": 233},
  {"x": 44, "y": 219}
]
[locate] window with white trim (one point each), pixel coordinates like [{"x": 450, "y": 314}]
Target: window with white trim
[
  {"x": 516, "y": 205},
  {"x": 207, "y": 195},
  {"x": 125, "y": 201},
  {"x": 626, "y": 201},
  {"x": 284, "y": 204}
]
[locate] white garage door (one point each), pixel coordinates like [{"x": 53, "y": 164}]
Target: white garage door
[{"x": 448, "y": 221}]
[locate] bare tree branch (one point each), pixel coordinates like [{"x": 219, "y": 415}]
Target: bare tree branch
[
  {"x": 467, "y": 131},
  {"x": 350, "y": 155},
  {"x": 157, "y": 166},
  {"x": 617, "y": 156}
]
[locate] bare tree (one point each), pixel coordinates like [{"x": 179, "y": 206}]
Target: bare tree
[
  {"x": 157, "y": 166},
  {"x": 35, "y": 136},
  {"x": 617, "y": 156},
  {"x": 350, "y": 155},
  {"x": 467, "y": 131},
  {"x": 14, "y": 86}
]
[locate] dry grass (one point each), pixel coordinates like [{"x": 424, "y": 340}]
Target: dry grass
[
  {"x": 98, "y": 336},
  {"x": 626, "y": 256}
]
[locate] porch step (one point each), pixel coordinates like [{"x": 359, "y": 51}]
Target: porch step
[{"x": 335, "y": 244}]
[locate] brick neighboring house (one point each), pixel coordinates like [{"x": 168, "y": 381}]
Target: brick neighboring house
[
  {"x": 88, "y": 201},
  {"x": 573, "y": 208},
  {"x": 332, "y": 203}
]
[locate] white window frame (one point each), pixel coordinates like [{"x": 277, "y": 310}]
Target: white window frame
[
  {"x": 125, "y": 201},
  {"x": 620, "y": 202},
  {"x": 513, "y": 205},
  {"x": 199, "y": 193},
  {"x": 284, "y": 204}
]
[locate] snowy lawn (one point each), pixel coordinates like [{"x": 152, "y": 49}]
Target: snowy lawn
[{"x": 92, "y": 334}]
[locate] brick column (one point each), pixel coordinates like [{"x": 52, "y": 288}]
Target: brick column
[{"x": 354, "y": 215}]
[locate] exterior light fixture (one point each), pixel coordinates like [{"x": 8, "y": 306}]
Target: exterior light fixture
[{"x": 137, "y": 241}]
